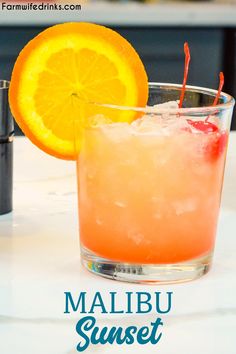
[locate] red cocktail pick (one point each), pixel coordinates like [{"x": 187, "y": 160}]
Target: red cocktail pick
[{"x": 186, "y": 69}]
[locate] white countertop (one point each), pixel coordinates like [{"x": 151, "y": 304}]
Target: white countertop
[
  {"x": 218, "y": 13},
  {"x": 39, "y": 261}
]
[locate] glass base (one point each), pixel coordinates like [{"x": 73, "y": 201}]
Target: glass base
[{"x": 146, "y": 273}]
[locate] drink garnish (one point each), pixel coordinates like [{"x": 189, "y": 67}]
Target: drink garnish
[
  {"x": 60, "y": 71},
  {"x": 216, "y": 147},
  {"x": 204, "y": 126},
  {"x": 186, "y": 70},
  {"x": 221, "y": 84}
]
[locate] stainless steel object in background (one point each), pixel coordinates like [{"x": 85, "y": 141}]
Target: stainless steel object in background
[{"x": 6, "y": 150}]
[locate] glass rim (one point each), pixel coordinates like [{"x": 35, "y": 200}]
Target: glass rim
[{"x": 228, "y": 103}]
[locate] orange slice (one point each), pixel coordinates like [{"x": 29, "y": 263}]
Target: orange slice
[{"x": 62, "y": 69}]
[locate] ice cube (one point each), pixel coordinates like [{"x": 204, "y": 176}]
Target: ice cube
[
  {"x": 176, "y": 124},
  {"x": 136, "y": 237},
  {"x": 117, "y": 131},
  {"x": 185, "y": 206},
  {"x": 164, "y": 124},
  {"x": 120, "y": 204},
  {"x": 161, "y": 121},
  {"x": 165, "y": 105},
  {"x": 147, "y": 124},
  {"x": 99, "y": 221}
]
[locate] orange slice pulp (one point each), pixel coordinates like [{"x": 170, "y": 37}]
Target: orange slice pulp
[{"x": 64, "y": 67}]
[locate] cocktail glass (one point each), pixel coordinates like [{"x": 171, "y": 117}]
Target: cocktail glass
[{"x": 149, "y": 192}]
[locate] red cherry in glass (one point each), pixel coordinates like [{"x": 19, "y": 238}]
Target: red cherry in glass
[{"x": 203, "y": 126}]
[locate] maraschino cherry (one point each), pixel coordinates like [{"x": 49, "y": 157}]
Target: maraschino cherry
[
  {"x": 204, "y": 126},
  {"x": 212, "y": 150}
]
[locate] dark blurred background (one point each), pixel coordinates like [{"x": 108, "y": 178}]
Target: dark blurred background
[{"x": 157, "y": 31}]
